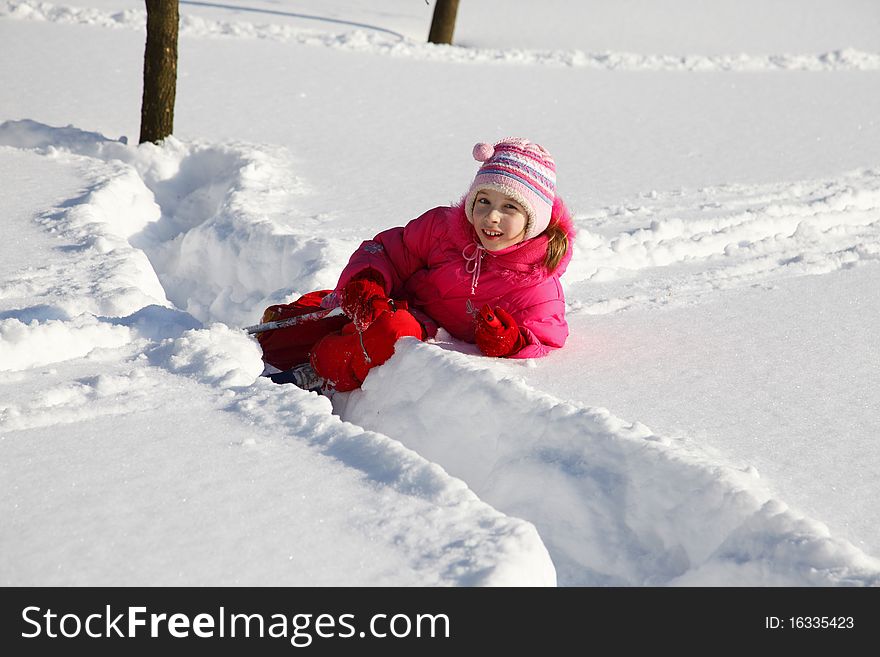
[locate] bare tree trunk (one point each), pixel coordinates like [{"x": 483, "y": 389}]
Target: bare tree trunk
[
  {"x": 443, "y": 22},
  {"x": 160, "y": 70}
]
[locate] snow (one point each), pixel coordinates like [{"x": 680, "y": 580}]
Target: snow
[{"x": 712, "y": 420}]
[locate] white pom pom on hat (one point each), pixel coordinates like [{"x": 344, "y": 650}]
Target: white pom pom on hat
[{"x": 522, "y": 170}]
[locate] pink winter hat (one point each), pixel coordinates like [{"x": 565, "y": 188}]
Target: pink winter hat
[{"x": 523, "y": 171}]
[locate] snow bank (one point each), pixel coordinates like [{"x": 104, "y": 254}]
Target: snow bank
[
  {"x": 94, "y": 228},
  {"x": 23, "y": 346},
  {"x": 458, "y": 535},
  {"x": 217, "y": 356},
  {"x": 614, "y": 503},
  {"x": 386, "y": 42},
  {"x": 230, "y": 241},
  {"x": 217, "y": 221},
  {"x": 700, "y": 241},
  {"x": 806, "y": 222}
]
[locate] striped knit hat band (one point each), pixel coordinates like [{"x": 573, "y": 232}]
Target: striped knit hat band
[{"x": 523, "y": 171}]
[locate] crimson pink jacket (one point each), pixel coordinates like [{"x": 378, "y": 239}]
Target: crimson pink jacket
[{"x": 437, "y": 264}]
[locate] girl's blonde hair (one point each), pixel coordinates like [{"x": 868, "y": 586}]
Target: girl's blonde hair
[
  {"x": 557, "y": 247},
  {"x": 560, "y": 233}
]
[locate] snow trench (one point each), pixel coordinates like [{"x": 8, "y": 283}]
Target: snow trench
[
  {"x": 613, "y": 503},
  {"x": 116, "y": 310}
]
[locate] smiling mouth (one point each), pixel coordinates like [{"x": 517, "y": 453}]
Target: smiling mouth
[{"x": 492, "y": 234}]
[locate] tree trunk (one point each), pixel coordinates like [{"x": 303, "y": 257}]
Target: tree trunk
[
  {"x": 160, "y": 70},
  {"x": 443, "y": 22}
]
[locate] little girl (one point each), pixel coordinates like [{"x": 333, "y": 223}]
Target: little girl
[{"x": 486, "y": 270}]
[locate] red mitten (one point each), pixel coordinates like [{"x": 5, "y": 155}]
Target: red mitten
[
  {"x": 364, "y": 298},
  {"x": 497, "y": 333}
]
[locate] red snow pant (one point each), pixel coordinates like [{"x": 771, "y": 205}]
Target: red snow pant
[
  {"x": 332, "y": 344},
  {"x": 286, "y": 347},
  {"x": 341, "y": 358}
]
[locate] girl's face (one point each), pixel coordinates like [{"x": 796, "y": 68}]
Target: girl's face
[{"x": 499, "y": 220}]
